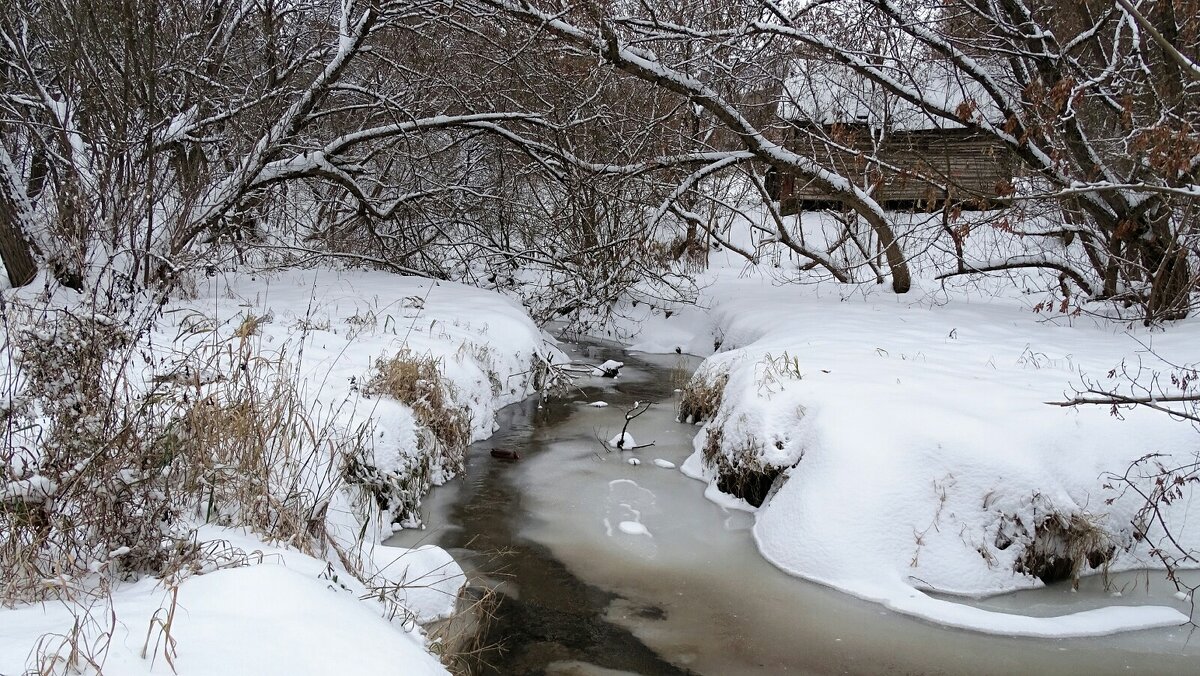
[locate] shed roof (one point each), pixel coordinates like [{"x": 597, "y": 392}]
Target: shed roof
[{"x": 829, "y": 93}]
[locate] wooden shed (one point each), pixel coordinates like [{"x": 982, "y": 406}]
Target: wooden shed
[{"x": 909, "y": 159}]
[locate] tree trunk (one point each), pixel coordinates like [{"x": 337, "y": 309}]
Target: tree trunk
[
  {"x": 1171, "y": 284},
  {"x": 15, "y": 251},
  {"x": 901, "y": 279}
]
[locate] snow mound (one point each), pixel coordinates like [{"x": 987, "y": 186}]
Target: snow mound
[
  {"x": 608, "y": 369},
  {"x": 335, "y": 326},
  {"x": 623, "y": 441},
  {"x": 632, "y": 528},
  {"x": 289, "y": 614},
  {"x": 896, "y": 449}
]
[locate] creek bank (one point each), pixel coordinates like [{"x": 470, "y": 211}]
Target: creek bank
[
  {"x": 694, "y": 595},
  {"x": 893, "y": 449}
]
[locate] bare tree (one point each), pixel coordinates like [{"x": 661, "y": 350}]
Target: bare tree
[
  {"x": 1095, "y": 101},
  {"x": 718, "y": 64},
  {"x": 142, "y": 137}
]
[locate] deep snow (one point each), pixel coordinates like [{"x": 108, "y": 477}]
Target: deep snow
[
  {"x": 279, "y": 611},
  {"x": 912, "y": 430},
  {"x": 282, "y": 613}
]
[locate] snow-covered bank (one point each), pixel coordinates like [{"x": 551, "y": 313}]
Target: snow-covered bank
[
  {"x": 916, "y": 448},
  {"x": 334, "y": 328},
  {"x": 274, "y": 611},
  {"x": 312, "y": 590}
]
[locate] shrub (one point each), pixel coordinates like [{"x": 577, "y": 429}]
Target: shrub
[
  {"x": 442, "y": 440},
  {"x": 740, "y": 471},
  {"x": 702, "y": 395}
]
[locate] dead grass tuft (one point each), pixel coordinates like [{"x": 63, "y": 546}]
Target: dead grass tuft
[
  {"x": 1063, "y": 544},
  {"x": 702, "y": 395},
  {"x": 740, "y": 471},
  {"x": 250, "y": 325}
]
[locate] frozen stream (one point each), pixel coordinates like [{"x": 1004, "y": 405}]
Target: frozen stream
[{"x": 605, "y": 567}]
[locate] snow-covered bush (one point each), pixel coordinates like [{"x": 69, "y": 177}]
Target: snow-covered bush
[
  {"x": 702, "y": 395},
  {"x": 444, "y": 432},
  {"x": 110, "y": 463}
]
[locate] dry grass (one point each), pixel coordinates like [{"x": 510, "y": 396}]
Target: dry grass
[
  {"x": 1063, "y": 544},
  {"x": 251, "y": 324},
  {"x": 740, "y": 472},
  {"x": 258, "y": 455},
  {"x": 702, "y": 395}
]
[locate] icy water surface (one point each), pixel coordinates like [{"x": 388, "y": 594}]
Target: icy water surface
[{"x": 609, "y": 568}]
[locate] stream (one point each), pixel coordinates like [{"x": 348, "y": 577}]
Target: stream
[{"x": 602, "y": 567}]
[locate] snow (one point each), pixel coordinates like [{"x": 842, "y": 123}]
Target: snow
[
  {"x": 598, "y": 404},
  {"x": 913, "y": 430},
  {"x": 608, "y": 369},
  {"x": 829, "y": 93},
  {"x": 665, "y": 464},
  {"x": 633, "y": 528},
  {"x": 275, "y": 610},
  {"x": 906, "y": 457},
  {"x": 623, "y": 441},
  {"x": 280, "y": 616}
]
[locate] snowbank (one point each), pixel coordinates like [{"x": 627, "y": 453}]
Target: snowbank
[
  {"x": 257, "y": 608},
  {"x": 914, "y": 445},
  {"x": 333, "y": 326},
  {"x": 283, "y": 613}
]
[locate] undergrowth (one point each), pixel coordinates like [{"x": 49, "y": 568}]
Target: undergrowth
[
  {"x": 443, "y": 434},
  {"x": 106, "y": 472},
  {"x": 741, "y": 471},
  {"x": 702, "y": 395}
]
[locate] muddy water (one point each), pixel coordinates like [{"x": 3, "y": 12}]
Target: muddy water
[{"x": 604, "y": 567}]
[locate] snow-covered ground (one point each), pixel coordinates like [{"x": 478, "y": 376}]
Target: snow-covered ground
[
  {"x": 917, "y": 449},
  {"x": 263, "y": 607},
  {"x": 332, "y": 327},
  {"x": 279, "y": 612}
]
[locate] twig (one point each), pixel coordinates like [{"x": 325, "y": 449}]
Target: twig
[{"x": 632, "y": 413}]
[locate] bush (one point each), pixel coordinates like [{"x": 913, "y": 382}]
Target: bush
[
  {"x": 702, "y": 395},
  {"x": 444, "y": 434},
  {"x": 106, "y": 473}
]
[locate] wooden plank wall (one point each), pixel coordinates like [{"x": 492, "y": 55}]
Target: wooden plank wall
[{"x": 934, "y": 165}]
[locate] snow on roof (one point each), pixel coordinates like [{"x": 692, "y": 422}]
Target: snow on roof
[{"x": 830, "y": 93}]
